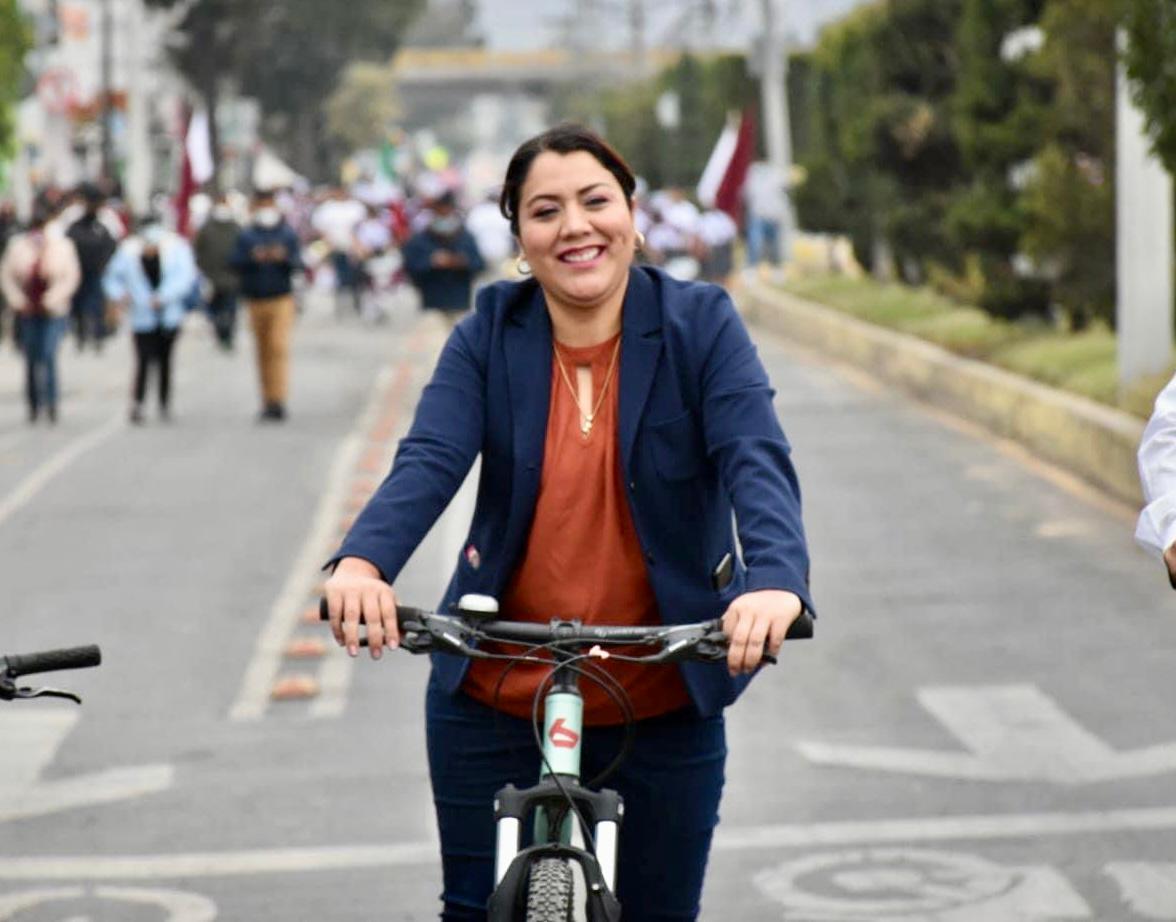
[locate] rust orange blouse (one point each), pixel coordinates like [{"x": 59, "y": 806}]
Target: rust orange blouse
[{"x": 582, "y": 558}]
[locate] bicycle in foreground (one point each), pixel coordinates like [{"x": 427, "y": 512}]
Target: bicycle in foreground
[
  {"x": 13, "y": 666},
  {"x": 536, "y": 883}
]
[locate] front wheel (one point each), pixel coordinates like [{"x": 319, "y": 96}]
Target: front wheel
[{"x": 550, "y": 891}]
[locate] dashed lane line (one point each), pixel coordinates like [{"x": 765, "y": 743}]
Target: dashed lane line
[
  {"x": 254, "y": 696},
  {"x": 34, "y": 483},
  {"x": 751, "y": 838}
]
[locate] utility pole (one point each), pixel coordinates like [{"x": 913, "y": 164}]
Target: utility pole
[
  {"x": 774, "y": 103},
  {"x": 637, "y": 36},
  {"x": 1143, "y": 246},
  {"x": 107, "y": 67}
]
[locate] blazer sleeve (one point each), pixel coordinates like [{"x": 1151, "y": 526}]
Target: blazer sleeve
[
  {"x": 432, "y": 460},
  {"x": 753, "y": 457}
]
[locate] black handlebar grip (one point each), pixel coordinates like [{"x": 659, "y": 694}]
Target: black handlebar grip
[
  {"x": 403, "y": 613},
  {"x": 54, "y": 660},
  {"x": 801, "y": 628}
]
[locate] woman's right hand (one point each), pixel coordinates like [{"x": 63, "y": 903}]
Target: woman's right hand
[{"x": 354, "y": 589}]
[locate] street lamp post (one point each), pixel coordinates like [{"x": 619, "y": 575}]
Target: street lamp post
[
  {"x": 774, "y": 103},
  {"x": 105, "y": 110},
  {"x": 1143, "y": 246}
]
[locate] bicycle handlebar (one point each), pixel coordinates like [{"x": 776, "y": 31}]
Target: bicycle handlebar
[
  {"x": 13, "y": 667},
  {"x": 50, "y": 661},
  {"x": 425, "y": 632}
]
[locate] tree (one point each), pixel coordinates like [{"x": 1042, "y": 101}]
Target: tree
[
  {"x": 880, "y": 153},
  {"x": 363, "y": 106},
  {"x": 289, "y": 55},
  {"x": 999, "y": 105},
  {"x": 1070, "y": 201},
  {"x": 1151, "y": 49},
  {"x": 15, "y": 42}
]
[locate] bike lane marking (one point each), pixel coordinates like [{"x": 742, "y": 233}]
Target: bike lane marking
[
  {"x": 1009, "y": 733},
  {"x": 31, "y": 740},
  {"x": 25, "y": 491},
  {"x": 180, "y": 906},
  {"x": 909, "y": 831},
  {"x": 254, "y": 696}
]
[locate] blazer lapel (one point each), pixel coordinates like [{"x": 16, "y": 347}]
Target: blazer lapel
[
  {"x": 527, "y": 342},
  {"x": 641, "y": 343}
]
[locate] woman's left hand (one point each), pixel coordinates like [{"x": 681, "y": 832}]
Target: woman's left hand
[{"x": 756, "y": 621}]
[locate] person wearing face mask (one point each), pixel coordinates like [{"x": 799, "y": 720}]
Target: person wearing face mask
[
  {"x": 266, "y": 256},
  {"x": 443, "y": 259},
  {"x": 214, "y": 248},
  {"x": 39, "y": 273},
  {"x": 624, "y": 423},
  {"x": 151, "y": 277}
]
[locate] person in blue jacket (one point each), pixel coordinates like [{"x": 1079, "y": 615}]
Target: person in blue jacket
[
  {"x": 151, "y": 276},
  {"x": 443, "y": 260},
  {"x": 267, "y": 257},
  {"x": 623, "y": 420}
]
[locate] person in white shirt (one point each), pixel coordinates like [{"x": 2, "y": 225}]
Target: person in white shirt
[
  {"x": 1156, "y": 529},
  {"x": 336, "y": 220}
]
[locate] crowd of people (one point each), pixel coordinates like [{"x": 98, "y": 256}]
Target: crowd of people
[{"x": 82, "y": 264}]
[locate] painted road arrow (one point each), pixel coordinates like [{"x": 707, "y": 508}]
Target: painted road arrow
[
  {"x": 1013, "y": 733},
  {"x": 30, "y": 741}
]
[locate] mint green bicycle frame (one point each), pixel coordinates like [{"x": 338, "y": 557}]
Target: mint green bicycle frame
[{"x": 563, "y": 726}]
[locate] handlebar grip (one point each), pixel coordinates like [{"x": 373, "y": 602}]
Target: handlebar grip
[
  {"x": 801, "y": 628},
  {"x": 403, "y": 613},
  {"x": 53, "y": 660}
]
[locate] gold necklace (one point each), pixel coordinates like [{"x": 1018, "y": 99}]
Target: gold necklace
[{"x": 587, "y": 419}]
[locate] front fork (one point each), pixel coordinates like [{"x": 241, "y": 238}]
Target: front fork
[{"x": 562, "y": 738}]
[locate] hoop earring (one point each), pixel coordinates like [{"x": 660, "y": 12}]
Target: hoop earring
[
  {"x": 522, "y": 267},
  {"x": 640, "y": 241}
]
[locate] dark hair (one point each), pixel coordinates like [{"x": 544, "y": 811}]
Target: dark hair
[{"x": 562, "y": 139}]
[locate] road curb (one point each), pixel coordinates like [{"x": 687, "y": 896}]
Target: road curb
[{"x": 1093, "y": 441}]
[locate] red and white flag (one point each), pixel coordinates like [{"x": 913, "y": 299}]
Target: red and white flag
[
  {"x": 197, "y": 168},
  {"x": 721, "y": 185}
]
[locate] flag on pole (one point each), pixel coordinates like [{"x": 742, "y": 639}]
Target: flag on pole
[
  {"x": 721, "y": 185},
  {"x": 197, "y": 166}
]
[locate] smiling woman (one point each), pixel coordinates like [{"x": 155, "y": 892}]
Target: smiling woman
[{"x": 622, "y": 419}]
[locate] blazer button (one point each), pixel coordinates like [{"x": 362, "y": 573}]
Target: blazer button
[
  {"x": 632, "y": 485},
  {"x": 649, "y": 558}
]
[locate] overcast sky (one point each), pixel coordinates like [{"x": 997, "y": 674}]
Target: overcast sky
[{"x": 527, "y": 24}]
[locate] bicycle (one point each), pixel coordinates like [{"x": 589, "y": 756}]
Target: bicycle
[
  {"x": 13, "y": 666},
  {"x": 536, "y": 883}
]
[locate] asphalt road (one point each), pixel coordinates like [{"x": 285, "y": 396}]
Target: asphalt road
[{"x": 982, "y": 730}]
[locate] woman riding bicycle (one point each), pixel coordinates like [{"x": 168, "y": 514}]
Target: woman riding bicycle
[{"x": 621, "y": 417}]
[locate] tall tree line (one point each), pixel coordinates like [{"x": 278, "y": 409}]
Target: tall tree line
[{"x": 289, "y": 55}]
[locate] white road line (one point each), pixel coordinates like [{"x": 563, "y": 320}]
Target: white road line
[
  {"x": 263, "y": 668},
  {"x": 35, "y": 482},
  {"x": 410, "y": 854}
]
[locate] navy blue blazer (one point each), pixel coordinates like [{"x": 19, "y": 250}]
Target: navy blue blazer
[{"x": 699, "y": 440}]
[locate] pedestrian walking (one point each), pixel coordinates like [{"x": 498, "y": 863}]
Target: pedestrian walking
[
  {"x": 95, "y": 244},
  {"x": 766, "y": 201},
  {"x": 39, "y": 273},
  {"x": 623, "y": 422},
  {"x": 266, "y": 257},
  {"x": 150, "y": 278},
  {"x": 8, "y": 229},
  {"x": 336, "y": 220},
  {"x": 215, "y": 243},
  {"x": 443, "y": 260}
]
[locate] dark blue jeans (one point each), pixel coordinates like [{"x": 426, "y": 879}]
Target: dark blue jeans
[
  {"x": 88, "y": 311},
  {"x": 40, "y": 335},
  {"x": 671, "y": 783}
]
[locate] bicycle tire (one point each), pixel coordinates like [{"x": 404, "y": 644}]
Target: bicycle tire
[{"x": 550, "y": 891}]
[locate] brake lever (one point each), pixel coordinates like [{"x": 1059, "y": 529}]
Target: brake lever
[
  {"x": 713, "y": 649},
  {"x": 27, "y": 692}
]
